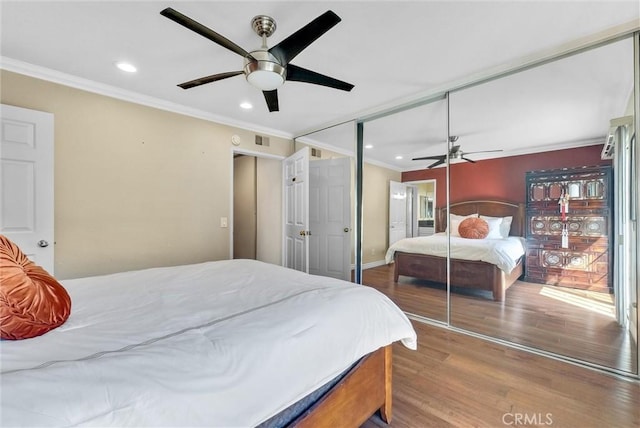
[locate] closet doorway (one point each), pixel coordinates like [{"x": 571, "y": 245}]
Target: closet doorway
[{"x": 257, "y": 207}]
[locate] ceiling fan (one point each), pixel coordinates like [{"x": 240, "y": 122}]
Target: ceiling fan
[
  {"x": 267, "y": 68},
  {"x": 455, "y": 153}
]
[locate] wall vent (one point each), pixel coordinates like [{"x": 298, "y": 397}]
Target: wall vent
[
  {"x": 316, "y": 153},
  {"x": 262, "y": 141}
]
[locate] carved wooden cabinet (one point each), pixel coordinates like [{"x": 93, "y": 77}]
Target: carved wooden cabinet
[{"x": 584, "y": 259}]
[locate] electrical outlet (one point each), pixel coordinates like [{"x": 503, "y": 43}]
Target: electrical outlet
[{"x": 223, "y": 222}]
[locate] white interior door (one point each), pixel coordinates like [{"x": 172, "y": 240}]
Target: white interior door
[
  {"x": 330, "y": 218},
  {"x": 295, "y": 196},
  {"x": 26, "y": 185},
  {"x": 397, "y": 211}
]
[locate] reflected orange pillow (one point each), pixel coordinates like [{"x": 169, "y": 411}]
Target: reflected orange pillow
[
  {"x": 32, "y": 302},
  {"x": 474, "y": 228}
]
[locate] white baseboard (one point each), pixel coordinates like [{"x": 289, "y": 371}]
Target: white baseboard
[{"x": 370, "y": 264}]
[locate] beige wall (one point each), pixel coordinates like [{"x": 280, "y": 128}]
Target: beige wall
[
  {"x": 135, "y": 186},
  {"x": 139, "y": 187}
]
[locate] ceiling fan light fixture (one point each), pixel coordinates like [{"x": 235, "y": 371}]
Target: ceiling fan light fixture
[
  {"x": 265, "y": 73},
  {"x": 265, "y": 80}
]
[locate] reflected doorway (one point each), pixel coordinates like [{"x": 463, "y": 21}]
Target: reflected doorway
[{"x": 426, "y": 201}]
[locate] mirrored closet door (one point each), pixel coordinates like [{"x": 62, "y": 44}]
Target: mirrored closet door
[
  {"x": 540, "y": 164},
  {"x": 556, "y": 189},
  {"x": 416, "y": 132}
]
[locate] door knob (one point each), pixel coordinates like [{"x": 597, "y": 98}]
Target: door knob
[
  {"x": 346, "y": 230},
  {"x": 42, "y": 243}
]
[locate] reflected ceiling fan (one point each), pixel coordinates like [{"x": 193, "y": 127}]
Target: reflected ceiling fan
[
  {"x": 455, "y": 153},
  {"x": 267, "y": 68}
]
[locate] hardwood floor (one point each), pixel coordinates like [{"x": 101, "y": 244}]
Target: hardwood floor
[
  {"x": 575, "y": 323},
  {"x": 456, "y": 380}
]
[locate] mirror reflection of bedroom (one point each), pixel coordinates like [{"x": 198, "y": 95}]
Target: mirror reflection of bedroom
[
  {"x": 400, "y": 133},
  {"x": 535, "y": 182}
]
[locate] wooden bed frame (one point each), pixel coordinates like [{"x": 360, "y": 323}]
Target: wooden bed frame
[
  {"x": 365, "y": 389},
  {"x": 466, "y": 273}
]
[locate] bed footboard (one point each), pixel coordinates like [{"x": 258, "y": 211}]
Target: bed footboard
[
  {"x": 464, "y": 273},
  {"x": 363, "y": 391}
]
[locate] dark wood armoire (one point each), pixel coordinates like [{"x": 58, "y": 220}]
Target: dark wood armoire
[{"x": 576, "y": 203}]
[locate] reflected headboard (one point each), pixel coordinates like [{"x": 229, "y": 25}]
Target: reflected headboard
[{"x": 488, "y": 208}]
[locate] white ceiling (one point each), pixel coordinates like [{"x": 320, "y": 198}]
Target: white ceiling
[{"x": 392, "y": 52}]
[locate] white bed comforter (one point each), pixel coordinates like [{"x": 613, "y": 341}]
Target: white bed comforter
[
  {"x": 226, "y": 343},
  {"x": 503, "y": 253}
]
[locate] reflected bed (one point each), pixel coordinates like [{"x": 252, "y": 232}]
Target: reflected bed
[{"x": 475, "y": 274}]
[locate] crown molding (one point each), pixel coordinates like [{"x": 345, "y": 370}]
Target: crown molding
[
  {"x": 349, "y": 153},
  {"x": 76, "y": 82}
]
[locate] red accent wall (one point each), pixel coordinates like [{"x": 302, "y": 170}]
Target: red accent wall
[{"x": 501, "y": 178}]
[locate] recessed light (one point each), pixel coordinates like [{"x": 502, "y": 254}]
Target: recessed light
[
  {"x": 369, "y": 146},
  {"x": 246, "y": 105},
  {"x": 398, "y": 157},
  {"x": 125, "y": 66}
]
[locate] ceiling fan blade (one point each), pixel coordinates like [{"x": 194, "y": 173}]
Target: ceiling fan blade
[
  {"x": 208, "y": 79},
  {"x": 440, "y": 157},
  {"x": 299, "y": 74},
  {"x": 192, "y": 25},
  {"x": 290, "y": 47},
  {"x": 439, "y": 162},
  {"x": 467, "y": 159},
  {"x": 272, "y": 99}
]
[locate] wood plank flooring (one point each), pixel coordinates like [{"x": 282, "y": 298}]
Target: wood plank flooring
[
  {"x": 576, "y": 323},
  {"x": 455, "y": 380}
]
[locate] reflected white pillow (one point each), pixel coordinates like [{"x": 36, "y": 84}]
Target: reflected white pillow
[
  {"x": 494, "y": 227},
  {"x": 505, "y": 224},
  {"x": 455, "y": 222}
]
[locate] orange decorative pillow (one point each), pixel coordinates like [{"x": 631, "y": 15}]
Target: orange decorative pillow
[
  {"x": 473, "y": 228},
  {"x": 32, "y": 302}
]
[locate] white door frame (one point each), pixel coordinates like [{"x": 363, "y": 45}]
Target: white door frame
[{"x": 240, "y": 151}]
